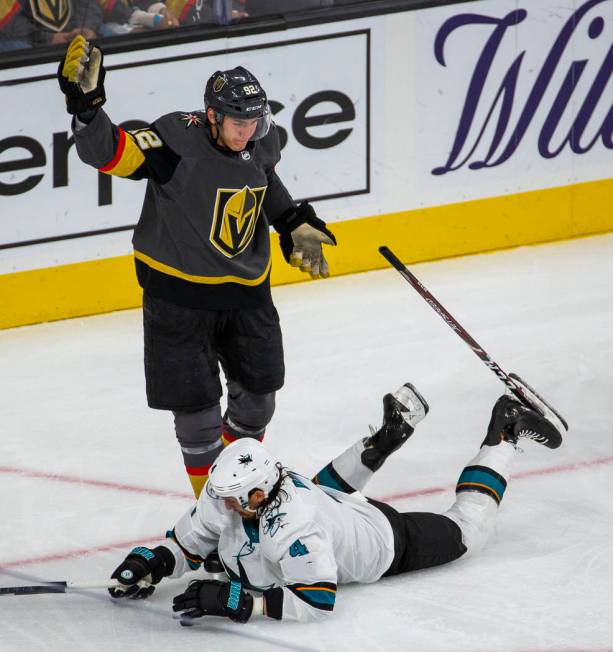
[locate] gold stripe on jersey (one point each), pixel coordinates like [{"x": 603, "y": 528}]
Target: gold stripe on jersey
[
  {"x": 128, "y": 156},
  {"x": 8, "y": 9},
  {"x": 179, "y": 8},
  {"x": 209, "y": 280}
]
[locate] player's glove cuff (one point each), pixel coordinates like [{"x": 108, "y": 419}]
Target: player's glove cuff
[{"x": 291, "y": 219}]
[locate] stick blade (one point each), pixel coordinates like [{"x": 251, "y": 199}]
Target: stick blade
[{"x": 536, "y": 401}]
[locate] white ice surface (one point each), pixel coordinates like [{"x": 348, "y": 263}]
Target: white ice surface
[{"x": 72, "y": 406}]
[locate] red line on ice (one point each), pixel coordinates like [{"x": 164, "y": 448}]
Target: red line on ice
[
  {"x": 174, "y": 494},
  {"x": 60, "y": 556},
  {"x": 101, "y": 484},
  {"x": 524, "y": 474}
]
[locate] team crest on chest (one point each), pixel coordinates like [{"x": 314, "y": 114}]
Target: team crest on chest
[
  {"x": 235, "y": 216},
  {"x": 191, "y": 120},
  {"x": 53, "y": 14}
]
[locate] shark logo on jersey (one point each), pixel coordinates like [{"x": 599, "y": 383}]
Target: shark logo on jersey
[
  {"x": 235, "y": 215},
  {"x": 273, "y": 522},
  {"x": 53, "y": 14}
]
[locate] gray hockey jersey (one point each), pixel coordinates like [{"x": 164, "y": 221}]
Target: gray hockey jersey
[{"x": 202, "y": 239}]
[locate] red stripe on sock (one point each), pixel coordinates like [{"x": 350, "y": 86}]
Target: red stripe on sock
[
  {"x": 198, "y": 470},
  {"x": 227, "y": 437},
  {"x": 230, "y": 439}
]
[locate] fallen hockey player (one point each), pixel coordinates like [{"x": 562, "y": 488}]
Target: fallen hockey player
[{"x": 286, "y": 542}]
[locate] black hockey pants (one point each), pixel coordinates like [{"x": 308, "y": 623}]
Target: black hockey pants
[{"x": 421, "y": 539}]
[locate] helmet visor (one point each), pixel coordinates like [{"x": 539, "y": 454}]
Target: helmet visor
[{"x": 262, "y": 122}]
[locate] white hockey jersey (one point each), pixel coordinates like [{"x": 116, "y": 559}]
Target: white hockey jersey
[{"x": 297, "y": 552}]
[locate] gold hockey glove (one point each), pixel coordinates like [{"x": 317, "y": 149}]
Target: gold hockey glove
[{"x": 81, "y": 76}]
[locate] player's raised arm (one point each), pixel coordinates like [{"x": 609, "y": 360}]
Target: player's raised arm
[{"x": 138, "y": 154}]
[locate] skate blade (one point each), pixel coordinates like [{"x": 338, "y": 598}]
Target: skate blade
[
  {"x": 534, "y": 400},
  {"x": 413, "y": 401}
]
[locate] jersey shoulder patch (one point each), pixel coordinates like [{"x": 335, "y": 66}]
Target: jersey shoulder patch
[
  {"x": 180, "y": 126},
  {"x": 195, "y": 119}
]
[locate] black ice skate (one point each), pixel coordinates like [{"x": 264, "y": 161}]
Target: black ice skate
[
  {"x": 402, "y": 411},
  {"x": 512, "y": 420}
]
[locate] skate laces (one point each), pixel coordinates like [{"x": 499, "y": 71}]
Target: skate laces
[{"x": 526, "y": 433}]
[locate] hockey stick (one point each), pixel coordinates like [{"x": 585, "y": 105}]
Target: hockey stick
[
  {"x": 515, "y": 384},
  {"x": 138, "y": 605},
  {"x": 54, "y": 587}
]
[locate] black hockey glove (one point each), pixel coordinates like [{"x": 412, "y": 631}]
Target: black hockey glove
[
  {"x": 81, "y": 76},
  {"x": 140, "y": 570},
  {"x": 302, "y": 234},
  {"x": 214, "y": 598}
]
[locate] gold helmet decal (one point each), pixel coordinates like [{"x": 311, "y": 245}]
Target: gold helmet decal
[
  {"x": 53, "y": 14},
  {"x": 236, "y": 214},
  {"x": 219, "y": 83}
]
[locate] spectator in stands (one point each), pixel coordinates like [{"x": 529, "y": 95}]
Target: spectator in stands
[
  {"x": 264, "y": 7},
  {"x": 37, "y": 22},
  {"x": 223, "y": 12},
  {"x": 13, "y": 27},
  {"x": 124, "y": 16}
]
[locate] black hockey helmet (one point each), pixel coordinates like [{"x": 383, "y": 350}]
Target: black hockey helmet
[{"x": 238, "y": 93}]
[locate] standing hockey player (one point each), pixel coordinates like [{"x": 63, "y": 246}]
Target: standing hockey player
[
  {"x": 202, "y": 249},
  {"x": 292, "y": 540}
]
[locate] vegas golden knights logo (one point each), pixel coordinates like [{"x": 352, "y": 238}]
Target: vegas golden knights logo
[
  {"x": 219, "y": 83},
  {"x": 236, "y": 214},
  {"x": 53, "y": 14}
]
